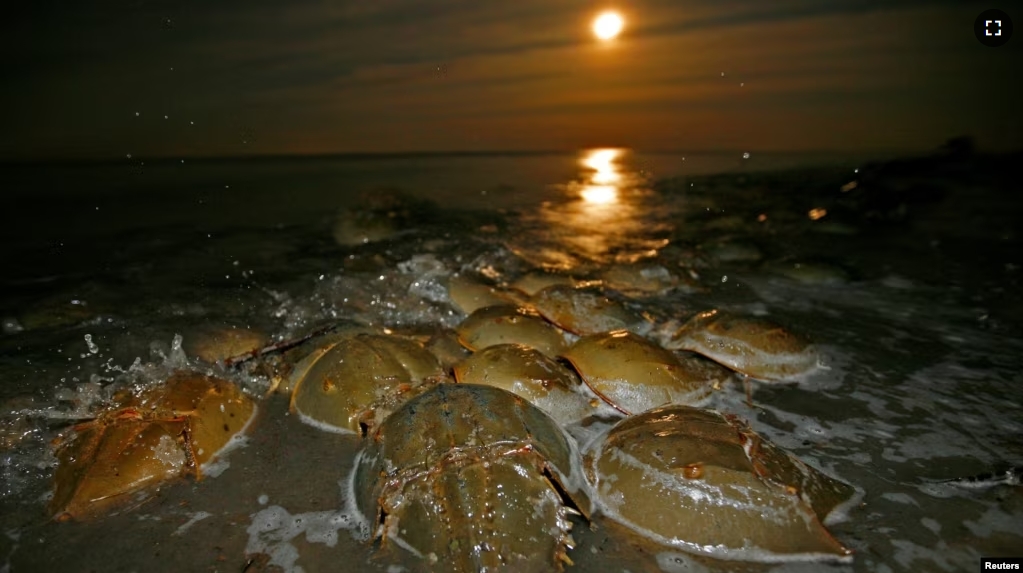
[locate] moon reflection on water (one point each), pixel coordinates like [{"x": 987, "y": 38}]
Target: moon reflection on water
[{"x": 604, "y": 215}]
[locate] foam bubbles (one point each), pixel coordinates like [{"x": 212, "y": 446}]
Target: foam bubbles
[
  {"x": 273, "y": 529},
  {"x": 195, "y": 518}
]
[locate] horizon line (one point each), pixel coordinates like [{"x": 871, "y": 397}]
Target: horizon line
[{"x": 438, "y": 154}]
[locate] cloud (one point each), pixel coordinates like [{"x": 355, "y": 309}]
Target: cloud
[{"x": 350, "y": 74}]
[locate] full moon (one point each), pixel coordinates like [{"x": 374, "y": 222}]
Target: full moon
[{"x": 608, "y": 25}]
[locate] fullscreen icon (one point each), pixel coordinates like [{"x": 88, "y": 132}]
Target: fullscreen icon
[{"x": 993, "y": 28}]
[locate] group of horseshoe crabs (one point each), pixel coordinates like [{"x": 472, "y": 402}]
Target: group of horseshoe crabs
[{"x": 466, "y": 459}]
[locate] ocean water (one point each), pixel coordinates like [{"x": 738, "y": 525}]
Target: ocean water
[{"x": 904, "y": 272}]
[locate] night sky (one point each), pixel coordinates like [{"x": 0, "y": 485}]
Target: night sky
[{"x": 198, "y": 78}]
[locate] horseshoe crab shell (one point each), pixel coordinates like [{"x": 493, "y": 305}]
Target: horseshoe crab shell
[
  {"x": 470, "y": 476},
  {"x": 633, "y": 374},
  {"x": 705, "y": 483},
  {"x": 586, "y": 311},
  {"x": 756, "y": 347},
  {"x": 528, "y": 373},
  {"x": 289, "y": 365},
  {"x": 169, "y": 431},
  {"x": 470, "y": 294},
  {"x": 639, "y": 278},
  {"x": 352, "y": 385},
  {"x": 217, "y": 343},
  {"x": 509, "y": 324},
  {"x": 534, "y": 282}
]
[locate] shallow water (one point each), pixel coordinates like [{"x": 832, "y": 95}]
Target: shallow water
[{"x": 906, "y": 280}]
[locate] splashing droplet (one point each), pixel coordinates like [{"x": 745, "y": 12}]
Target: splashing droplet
[{"x": 93, "y": 348}]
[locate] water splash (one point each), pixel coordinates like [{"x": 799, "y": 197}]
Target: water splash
[{"x": 93, "y": 347}]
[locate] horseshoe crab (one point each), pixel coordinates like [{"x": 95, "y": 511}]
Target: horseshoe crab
[
  {"x": 509, "y": 324},
  {"x": 530, "y": 374},
  {"x": 169, "y": 431},
  {"x": 218, "y": 343},
  {"x": 352, "y": 385},
  {"x": 287, "y": 361},
  {"x": 586, "y": 311},
  {"x": 755, "y": 347},
  {"x": 706, "y": 483},
  {"x": 444, "y": 345},
  {"x": 470, "y": 294},
  {"x": 633, "y": 374},
  {"x": 639, "y": 278},
  {"x": 472, "y": 477},
  {"x": 533, "y": 282}
]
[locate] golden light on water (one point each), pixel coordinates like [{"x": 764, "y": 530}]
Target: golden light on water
[
  {"x": 599, "y": 194},
  {"x": 598, "y": 215},
  {"x": 604, "y": 214},
  {"x": 601, "y": 187},
  {"x": 608, "y": 25},
  {"x": 602, "y": 161}
]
